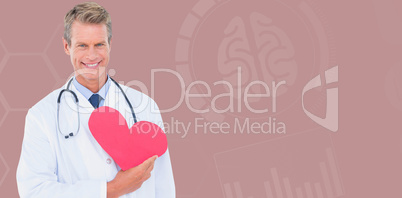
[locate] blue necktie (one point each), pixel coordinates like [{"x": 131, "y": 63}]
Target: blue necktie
[{"x": 95, "y": 100}]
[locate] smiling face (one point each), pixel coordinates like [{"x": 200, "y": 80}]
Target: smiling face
[{"x": 89, "y": 53}]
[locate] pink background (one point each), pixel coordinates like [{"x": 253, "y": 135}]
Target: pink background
[{"x": 193, "y": 37}]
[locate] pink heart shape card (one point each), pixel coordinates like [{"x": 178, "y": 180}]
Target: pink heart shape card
[{"x": 128, "y": 147}]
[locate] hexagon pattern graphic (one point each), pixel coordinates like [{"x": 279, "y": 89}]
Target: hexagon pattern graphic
[
  {"x": 3, "y": 109},
  {"x": 25, "y": 79},
  {"x": 59, "y": 61},
  {"x": 10, "y": 147},
  {"x": 4, "y": 169}
]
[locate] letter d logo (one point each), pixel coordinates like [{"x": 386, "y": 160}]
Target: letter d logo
[{"x": 331, "y": 117}]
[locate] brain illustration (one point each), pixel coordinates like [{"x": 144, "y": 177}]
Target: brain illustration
[{"x": 262, "y": 51}]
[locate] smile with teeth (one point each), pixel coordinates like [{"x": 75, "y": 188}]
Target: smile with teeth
[{"x": 93, "y": 65}]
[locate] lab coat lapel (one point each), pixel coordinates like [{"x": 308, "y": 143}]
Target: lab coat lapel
[{"x": 84, "y": 150}]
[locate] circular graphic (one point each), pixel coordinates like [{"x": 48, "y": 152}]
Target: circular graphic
[{"x": 257, "y": 47}]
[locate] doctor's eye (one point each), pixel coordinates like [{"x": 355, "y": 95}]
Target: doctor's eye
[
  {"x": 99, "y": 45},
  {"x": 82, "y": 45}
]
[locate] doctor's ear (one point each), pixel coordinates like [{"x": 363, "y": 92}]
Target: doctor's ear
[{"x": 66, "y": 47}]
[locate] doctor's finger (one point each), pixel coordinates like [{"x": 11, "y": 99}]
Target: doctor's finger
[
  {"x": 151, "y": 167},
  {"x": 148, "y": 163}
]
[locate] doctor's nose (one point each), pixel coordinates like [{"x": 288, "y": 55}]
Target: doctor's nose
[{"x": 92, "y": 54}]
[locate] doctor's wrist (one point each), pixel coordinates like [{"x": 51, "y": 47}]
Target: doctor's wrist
[{"x": 111, "y": 190}]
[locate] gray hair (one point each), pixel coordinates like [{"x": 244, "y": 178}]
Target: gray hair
[{"x": 88, "y": 12}]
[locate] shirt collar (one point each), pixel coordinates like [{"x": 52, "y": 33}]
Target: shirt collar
[{"x": 88, "y": 93}]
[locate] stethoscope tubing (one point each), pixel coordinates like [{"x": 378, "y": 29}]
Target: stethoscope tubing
[{"x": 67, "y": 89}]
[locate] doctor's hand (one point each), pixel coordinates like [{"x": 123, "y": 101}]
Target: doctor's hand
[{"x": 130, "y": 180}]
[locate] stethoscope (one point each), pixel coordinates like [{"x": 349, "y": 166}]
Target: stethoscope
[{"x": 67, "y": 89}]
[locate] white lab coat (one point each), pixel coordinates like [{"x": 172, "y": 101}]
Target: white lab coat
[{"x": 52, "y": 166}]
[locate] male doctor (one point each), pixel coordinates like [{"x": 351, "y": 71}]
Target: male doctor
[{"x": 55, "y": 163}]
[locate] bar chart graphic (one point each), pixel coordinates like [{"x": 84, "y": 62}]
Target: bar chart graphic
[{"x": 298, "y": 166}]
